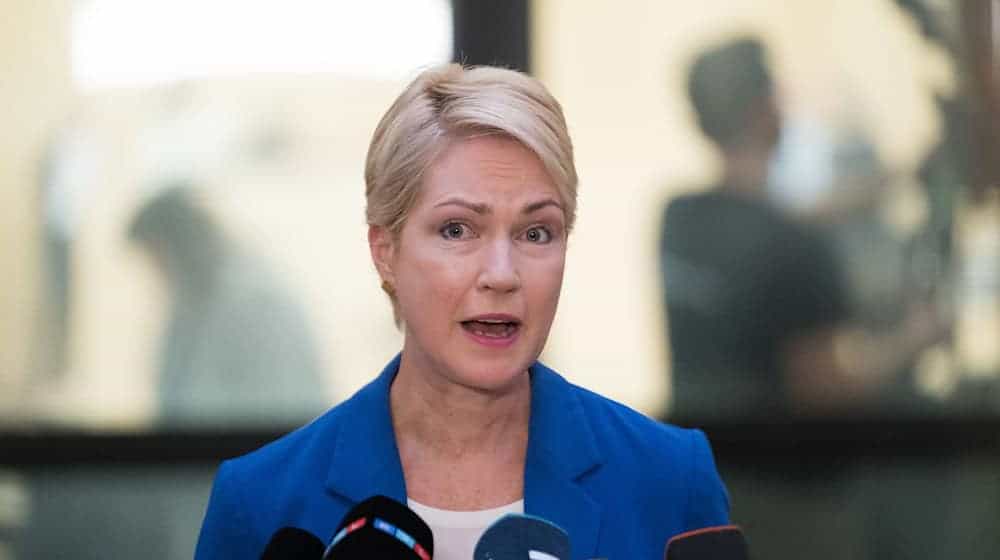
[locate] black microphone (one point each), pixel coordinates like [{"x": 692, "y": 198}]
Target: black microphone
[
  {"x": 522, "y": 537},
  {"x": 381, "y": 528},
  {"x": 711, "y": 543},
  {"x": 292, "y": 543}
]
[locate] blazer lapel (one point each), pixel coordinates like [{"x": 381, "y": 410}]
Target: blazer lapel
[
  {"x": 365, "y": 459},
  {"x": 561, "y": 451}
]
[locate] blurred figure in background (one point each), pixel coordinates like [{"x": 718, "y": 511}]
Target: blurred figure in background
[
  {"x": 237, "y": 350},
  {"x": 764, "y": 320},
  {"x": 757, "y": 310}
]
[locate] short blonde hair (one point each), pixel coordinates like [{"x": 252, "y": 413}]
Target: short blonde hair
[{"x": 450, "y": 102}]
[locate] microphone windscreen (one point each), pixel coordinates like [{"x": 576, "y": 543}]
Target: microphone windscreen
[
  {"x": 382, "y": 528},
  {"x": 522, "y": 537},
  {"x": 711, "y": 543},
  {"x": 292, "y": 543}
]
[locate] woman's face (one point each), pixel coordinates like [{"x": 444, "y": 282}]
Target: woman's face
[{"x": 478, "y": 265}]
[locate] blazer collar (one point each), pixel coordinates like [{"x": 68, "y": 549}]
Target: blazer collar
[{"x": 561, "y": 450}]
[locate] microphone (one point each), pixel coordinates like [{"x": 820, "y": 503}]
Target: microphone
[
  {"x": 711, "y": 543},
  {"x": 522, "y": 537},
  {"x": 292, "y": 543},
  {"x": 382, "y": 528}
]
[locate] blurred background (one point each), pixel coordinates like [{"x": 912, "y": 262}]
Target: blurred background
[{"x": 788, "y": 236}]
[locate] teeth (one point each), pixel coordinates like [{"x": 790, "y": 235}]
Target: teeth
[
  {"x": 504, "y": 334},
  {"x": 500, "y": 329}
]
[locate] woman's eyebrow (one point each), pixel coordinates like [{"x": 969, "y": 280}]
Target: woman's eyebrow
[
  {"x": 475, "y": 207},
  {"x": 536, "y": 206}
]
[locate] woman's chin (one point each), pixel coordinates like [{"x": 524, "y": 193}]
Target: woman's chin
[
  {"x": 491, "y": 376},
  {"x": 475, "y": 366}
]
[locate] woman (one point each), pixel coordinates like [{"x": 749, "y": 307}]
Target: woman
[{"x": 471, "y": 193}]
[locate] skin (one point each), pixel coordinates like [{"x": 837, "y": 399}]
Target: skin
[{"x": 487, "y": 235}]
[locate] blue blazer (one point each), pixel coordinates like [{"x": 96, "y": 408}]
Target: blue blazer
[{"x": 618, "y": 482}]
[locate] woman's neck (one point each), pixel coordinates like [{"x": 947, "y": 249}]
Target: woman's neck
[
  {"x": 452, "y": 421},
  {"x": 461, "y": 449}
]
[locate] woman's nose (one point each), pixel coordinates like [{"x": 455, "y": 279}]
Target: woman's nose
[{"x": 499, "y": 269}]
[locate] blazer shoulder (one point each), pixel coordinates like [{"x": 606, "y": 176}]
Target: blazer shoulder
[
  {"x": 612, "y": 421},
  {"x": 667, "y": 461},
  {"x": 252, "y": 491},
  {"x": 284, "y": 460}
]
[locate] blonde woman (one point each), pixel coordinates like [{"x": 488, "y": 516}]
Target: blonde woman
[{"x": 471, "y": 197}]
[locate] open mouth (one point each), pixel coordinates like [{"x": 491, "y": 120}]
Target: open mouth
[{"x": 491, "y": 328}]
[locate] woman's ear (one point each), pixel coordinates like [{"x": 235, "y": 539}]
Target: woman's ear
[{"x": 382, "y": 246}]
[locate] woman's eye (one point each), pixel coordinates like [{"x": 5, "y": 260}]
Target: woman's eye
[
  {"x": 454, "y": 231},
  {"x": 538, "y": 235}
]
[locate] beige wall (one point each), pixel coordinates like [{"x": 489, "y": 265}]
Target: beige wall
[{"x": 34, "y": 94}]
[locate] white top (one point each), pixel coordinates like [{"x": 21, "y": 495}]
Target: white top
[{"x": 457, "y": 532}]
